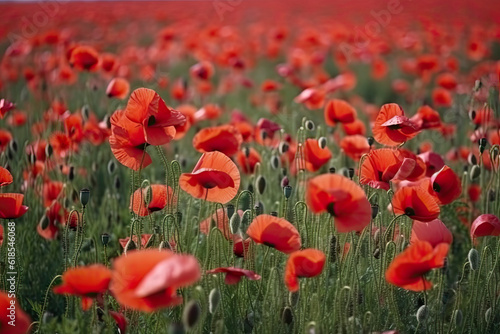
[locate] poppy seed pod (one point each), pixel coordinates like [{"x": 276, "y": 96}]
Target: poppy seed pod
[
  {"x": 275, "y": 162},
  {"x": 105, "y": 239},
  {"x": 283, "y": 148},
  {"x": 474, "y": 172},
  {"x": 274, "y": 214},
  {"x": 191, "y": 314},
  {"x": 473, "y": 257},
  {"x": 178, "y": 216},
  {"x": 457, "y": 317},
  {"x": 487, "y": 315},
  {"x": 422, "y": 313},
  {"x": 494, "y": 153},
  {"x": 471, "y": 159},
  {"x": 370, "y": 140},
  {"x": 84, "y": 196},
  {"x": 287, "y": 191},
  {"x": 85, "y": 112},
  {"x": 322, "y": 142},
  {"x": 213, "y": 300},
  {"x": 482, "y": 144},
  {"x": 261, "y": 184},
  {"x": 351, "y": 173},
  {"x": 230, "y": 210},
  {"x": 111, "y": 167},
  {"x": 246, "y": 151},
  {"x": 44, "y": 222},
  {"x": 287, "y": 315},
  {"x": 374, "y": 211},
  {"x": 234, "y": 223},
  {"x": 310, "y": 125},
  {"x": 332, "y": 170},
  {"x": 492, "y": 195},
  {"x": 49, "y": 150},
  {"x": 472, "y": 115}
]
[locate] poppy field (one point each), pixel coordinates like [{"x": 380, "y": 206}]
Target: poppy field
[{"x": 234, "y": 166}]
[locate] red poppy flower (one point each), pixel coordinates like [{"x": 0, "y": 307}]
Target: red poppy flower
[
  {"x": 407, "y": 270},
  {"x": 17, "y": 118},
  {"x": 274, "y": 232},
  {"x": 434, "y": 232},
  {"x": 433, "y": 162},
  {"x": 234, "y": 275},
  {"x": 84, "y": 58},
  {"x": 148, "y": 111},
  {"x": 120, "y": 320},
  {"x": 160, "y": 196},
  {"x": 202, "y": 71},
  {"x": 224, "y": 138},
  {"x": 208, "y": 111},
  {"x": 61, "y": 144},
  {"x": 145, "y": 238},
  {"x": 86, "y": 282},
  {"x": 73, "y": 124},
  {"x": 339, "y": 111},
  {"x": 11, "y": 206},
  {"x": 355, "y": 128},
  {"x": 485, "y": 225},
  {"x": 342, "y": 198},
  {"x": 5, "y": 177},
  {"x": 5, "y": 138},
  {"x": 127, "y": 142},
  {"x": 426, "y": 118},
  {"x": 312, "y": 98},
  {"x": 248, "y": 162},
  {"x": 11, "y": 309},
  {"x": 303, "y": 263},
  {"x": 416, "y": 203},
  {"x": 51, "y": 192},
  {"x": 446, "y": 185},
  {"x": 270, "y": 86},
  {"x": 265, "y": 131},
  {"x": 442, "y": 97},
  {"x": 147, "y": 280},
  {"x": 215, "y": 178},
  {"x": 118, "y": 88},
  {"x": 355, "y": 146},
  {"x": 315, "y": 156},
  {"x": 447, "y": 80},
  {"x": 392, "y": 127}
]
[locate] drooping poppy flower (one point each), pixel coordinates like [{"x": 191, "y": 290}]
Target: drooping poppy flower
[
  {"x": 407, "y": 270},
  {"x": 446, "y": 185},
  {"x": 148, "y": 111},
  {"x": 86, "y": 282},
  {"x": 127, "y": 142},
  {"x": 247, "y": 159},
  {"x": 5, "y": 177},
  {"x": 274, "y": 232},
  {"x": 11, "y": 309},
  {"x": 485, "y": 225},
  {"x": 342, "y": 198},
  {"x": 215, "y": 178},
  {"x": 416, "y": 203},
  {"x": 118, "y": 88},
  {"x": 433, "y": 162},
  {"x": 315, "y": 156},
  {"x": 392, "y": 127},
  {"x": 145, "y": 239},
  {"x": 224, "y": 138},
  {"x": 339, "y": 111},
  {"x": 434, "y": 232},
  {"x": 355, "y": 146},
  {"x": 303, "y": 263},
  {"x": 426, "y": 118},
  {"x": 73, "y": 124},
  {"x": 84, "y": 58},
  {"x": 159, "y": 196},
  {"x": 234, "y": 275},
  {"x": 11, "y": 206},
  {"x": 447, "y": 80},
  {"x": 147, "y": 280}
]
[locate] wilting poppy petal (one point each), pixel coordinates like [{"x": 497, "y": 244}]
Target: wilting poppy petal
[
  {"x": 340, "y": 197},
  {"x": 5, "y": 177},
  {"x": 274, "y": 232},
  {"x": 303, "y": 263},
  {"x": 214, "y": 178}
]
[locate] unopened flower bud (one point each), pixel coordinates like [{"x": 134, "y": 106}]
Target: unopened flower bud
[
  {"x": 191, "y": 314},
  {"x": 473, "y": 257},
  {"x": 457, "y": 317},
  {"x": 111, "y": 167},
  {"x": 84, "y": 196},
  {"x": 287, "y": 315},
  {"x": 322, "y": 142},
  {"x": 332, "y": 170},
  {"x": 230, "y": 210},
  {"x": 234, "y": 223},
  {"x": 374, "y": 211},
  {"x": 310, "y": 125},
  {"x": 422, "y": 313},
  {"x": 287, "y": 191},
  {"x": 213, "y": 300},
  {"x": 370, "y": 140},
  {"x": 261, "y": 184},
  {"x": 105, "y": 239},
  {"x": 283, "y": 147}
]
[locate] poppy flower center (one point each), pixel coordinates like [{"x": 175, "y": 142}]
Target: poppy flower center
[
  {"x": 436, "y": 187},
  {"x": 330, "y": 208},
  {"x": 267, "y": 243},
  {"x": 409, "y": 211},
  {"x": 394, "y": 127},
  {"x": 151, "y": 121}
]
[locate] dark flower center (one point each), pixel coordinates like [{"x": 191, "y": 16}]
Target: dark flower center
[
  {"x": 151, "y": 121},
  {"x": 409, "y": 211},
  {"x": 436, "y": 187},
  {"x": 331, "y": 208}
]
